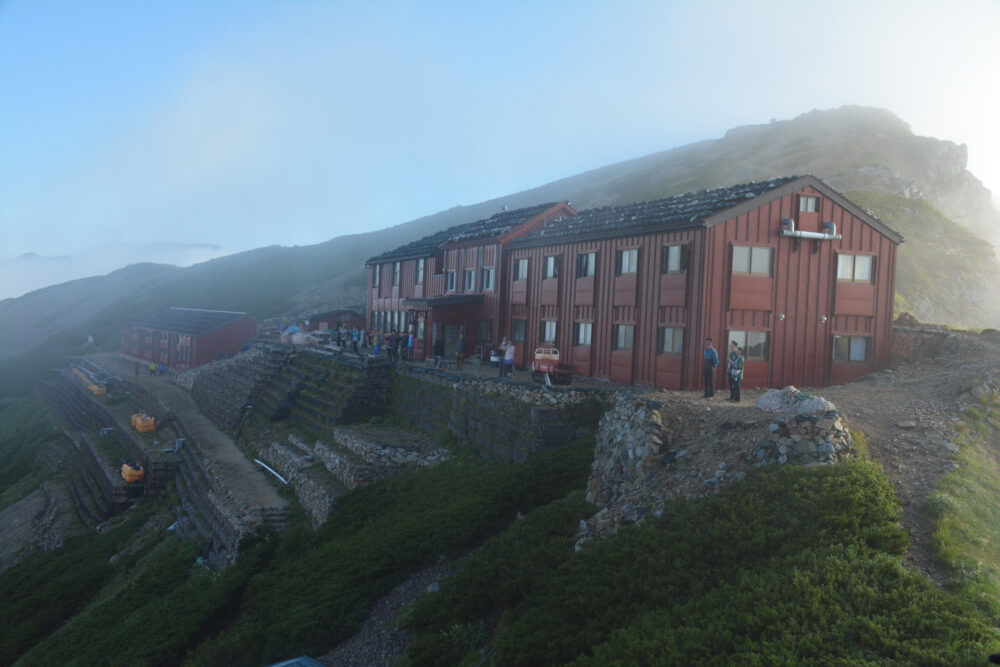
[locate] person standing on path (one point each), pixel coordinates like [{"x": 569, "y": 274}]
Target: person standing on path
[
  {"x": 735, "y": 371},
  {"x": 508, "y": 359},
  {"x": 460, "y": 349},
  {"x": 709, "y": 363},
  {"x": 152, "y": 369},
  {"x": 137, "y": 369}
]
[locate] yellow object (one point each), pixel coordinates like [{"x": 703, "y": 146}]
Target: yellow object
[
  {"x": 133, "y": 473},
  {"x": 96, "y": 389},
  {"x": 143, "y": 423}
]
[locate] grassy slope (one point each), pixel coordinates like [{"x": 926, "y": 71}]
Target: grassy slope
[
  {"x": 792, "y": 566},
  {"x": 967, "y": 509},
  {"x": 24, "y": 425}
]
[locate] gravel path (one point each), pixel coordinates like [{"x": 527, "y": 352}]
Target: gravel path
[{"x": 379, "y": 642}]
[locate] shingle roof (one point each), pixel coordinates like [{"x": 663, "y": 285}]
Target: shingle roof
[
  {"x": 496, "y": 225},
  {"x": 188, "y": 321},
  {"x": 681, "y": 211}
]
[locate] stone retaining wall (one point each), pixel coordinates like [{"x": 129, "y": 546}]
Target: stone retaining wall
[{"x": 503, "y": 421}]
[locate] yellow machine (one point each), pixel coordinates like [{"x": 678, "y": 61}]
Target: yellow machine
[
  {"x": 143, "y": 423},
  {"x": 133, "y": 473},
  {"x": 93, "y": 388}
]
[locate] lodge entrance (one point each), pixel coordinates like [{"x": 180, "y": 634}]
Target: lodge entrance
[{"x": 451, "y": 333}]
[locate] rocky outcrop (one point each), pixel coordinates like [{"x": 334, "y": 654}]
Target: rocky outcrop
[{"x": 650, "y": 450}]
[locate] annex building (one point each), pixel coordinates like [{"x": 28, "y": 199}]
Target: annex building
[
  {"x": 799, "y": 276},
  {"x": 182, "y": 338}
]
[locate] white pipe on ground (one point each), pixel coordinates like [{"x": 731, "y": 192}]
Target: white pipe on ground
[{"x": 271, "y": 470}]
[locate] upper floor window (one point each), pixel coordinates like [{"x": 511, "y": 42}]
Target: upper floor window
[
  {"x": 753, "y": 343},
  {"x": 623, "y": 336},
  {"x": 552, "y": 266},
  {"x": 469, "y": 280},
  {"x": 521, "y": 269},
  {"x": 851, "y": 349},
  {"x": 584, "y": 331},
  {"x": 751, "y": 261},
  {"x": 586, "y": 264},
  {"x": 395, "y": 273},
  {"x": 674, "y": 259},
  {"x": 376, "y": 274},
  {"x": 420, "y": 270},
  {"x": 451, "y": 281},
  {"x": 628, "y": 261},
  {"x": 671, "y": 341},
  {"x": 808, "y": 204},
  {"x": 856, "y": 268},
  {"x": 485, "y": 331},
  {"x": 487, "y": 279},
  {"x": 548, "y": 331}
]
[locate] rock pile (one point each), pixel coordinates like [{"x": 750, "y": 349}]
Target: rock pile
[
  {"x": 806, "y": 439},
  {"x": 791, "y": 400}
]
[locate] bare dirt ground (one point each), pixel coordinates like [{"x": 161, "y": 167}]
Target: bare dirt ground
[
  {"x": 243, "y": 481},
  {"x": 908, "y": 416}
]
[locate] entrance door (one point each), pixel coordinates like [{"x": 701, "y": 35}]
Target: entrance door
[{"x": 451, "y": 333}]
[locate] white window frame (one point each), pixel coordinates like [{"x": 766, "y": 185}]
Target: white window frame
[
  {"x": 628, "y": 262},
  {"x": 451, "y": 280},
  {"x": 753, "y": 260},
  {"x": 674, "y": 259},
  {"x": 550, "y": 267},
  {"x": 419, "y": 278},
  {"x": 549, "y": 331},
  {"x": 671, "y": 341},
  {"x": 488, "y": 280},
  {"x": 747, "y": 338},
  {"x": 623, "y": 337},
  {"x": 588, "y": 267},
  {"x": 584, "y": 333},
  {"x": 521, "y": 269},
  {"x": 844, "y": 259},
  {"x": 469, "y": 280},
  {"x": 852, "y": 357}
]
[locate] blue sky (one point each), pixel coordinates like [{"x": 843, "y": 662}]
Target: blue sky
[{"x": 245, "y": 124}]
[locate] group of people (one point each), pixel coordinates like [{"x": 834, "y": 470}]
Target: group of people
[
  {"x": 354, "y": 336},
  {"x": 734, "y": 369},
  {"x": 398, "y": 346}
]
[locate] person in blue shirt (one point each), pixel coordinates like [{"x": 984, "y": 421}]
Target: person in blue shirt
[{"x": 708, "y": 366}]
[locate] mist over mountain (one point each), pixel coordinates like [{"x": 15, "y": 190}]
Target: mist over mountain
[
  {"x": 31, "y": 271},
  {"x": 947, "y": 272}
]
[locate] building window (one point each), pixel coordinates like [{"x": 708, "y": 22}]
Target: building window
[
  {"x": 674, "y": 259},
  {"x": 376, "y": 271},
  {"x": 671, "y": 341},
  {"x": 420, "y": 328},
  {"x": 451, "y": 281},
  {"x": 551, "y": 267},
  {"x": 517, "y": 330},
  {"x": 373, "y": 316},
  {"x": 586, "y": 264},
  {"x": 488, "y": 279},
  {"x": 628, "y": 261},
  {"x": 485, "y": 331},
  {"x": 856, "y": 268},
  {"x": 420, "y": 270},
  {"x": 548, "y": 331},
  {"x": 469, "y": 282},
  {"x": 583, "y": 333},
  {"x": 808, "y": 204},
  {"x": 850, "y": 349},
  {"x": 623, "y": 335},
  {"x": 751, "y": 261},
  {"x": 395, "y": 273},
  {"x": 520, "y": 269},
  {"x": 753, "y": 343}
]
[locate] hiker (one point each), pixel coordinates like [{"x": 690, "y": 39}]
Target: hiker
[
  {"x": 507, "y": 367},
  {"x": 411, "y": 340},
  {"x": 735, "y": 371},
  {"x": 364, "y": 339},
  {"x": 355, "y": 336},
  {"x": 376, "y": 344},
  {"x": 400, "y": 348},
  {"x": 161, "y": 368},
  {"x": 438, "y": 350},
  {"x": 137, "y": 369},
  {"x": 710, "y": 362},
  {"x": 152, "y": 369},
  {"x": 460, "y": 349}
]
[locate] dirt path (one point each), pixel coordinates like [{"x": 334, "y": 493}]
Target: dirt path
[{"x": 247, "y": 485}]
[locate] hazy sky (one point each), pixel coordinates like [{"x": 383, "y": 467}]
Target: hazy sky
[{"x": 252, "y": 123}]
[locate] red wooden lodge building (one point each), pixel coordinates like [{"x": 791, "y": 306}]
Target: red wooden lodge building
[
  {"x": 799, "y": 276},
  {"x": 182, "y": 338}
]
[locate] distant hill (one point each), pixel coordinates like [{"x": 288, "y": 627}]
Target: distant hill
[{"x": 919, "y": 185}]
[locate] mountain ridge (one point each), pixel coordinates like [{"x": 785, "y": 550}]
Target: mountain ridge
[{"x": 853, "y": 149}]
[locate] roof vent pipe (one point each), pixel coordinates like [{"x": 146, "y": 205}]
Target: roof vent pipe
[{"x": 829, "y": 232}]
